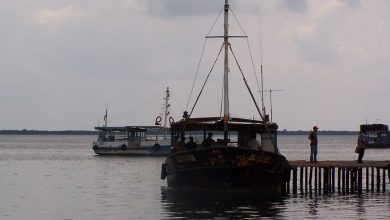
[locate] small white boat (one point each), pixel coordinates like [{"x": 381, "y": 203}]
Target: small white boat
[
  {"x": 136, "y": 140},
  {"x": 132, "y": 140}
]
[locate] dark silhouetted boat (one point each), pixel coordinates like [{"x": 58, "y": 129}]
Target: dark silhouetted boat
[
  {"x": 243, "y": 159},
  {"x": 378, "y": 135}
]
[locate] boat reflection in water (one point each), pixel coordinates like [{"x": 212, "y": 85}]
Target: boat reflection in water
[
  {"x": 177, "y": 205},
  {"x": 249, "y": 163}
]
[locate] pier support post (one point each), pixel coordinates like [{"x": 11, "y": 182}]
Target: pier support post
[
  {"x": 372, "y": 179},
  {"x": 339, "y": 179},
  {"x": 347, "y": 181},
  {"x": 360, "y": 180},
  {"x": 319, "y": 180},
  {"x": 295, "y": 180},
  {"x": 384, "y": 181},
  {"x": 301, "y": 180},
  {"x": 367, "y": 179},
  {"x": 378, "y": 179}
]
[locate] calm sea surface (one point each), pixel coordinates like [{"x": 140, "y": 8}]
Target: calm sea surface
[{"x": 59, "y": 177}]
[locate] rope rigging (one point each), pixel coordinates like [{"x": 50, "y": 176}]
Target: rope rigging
[
  {"x": 204, "y": 84},
  {"x": 200, "y": 59}
]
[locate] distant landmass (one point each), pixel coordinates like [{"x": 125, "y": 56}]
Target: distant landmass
[
  {"x": 43, "y": 132},
  {"x": 81, "y": 132}
]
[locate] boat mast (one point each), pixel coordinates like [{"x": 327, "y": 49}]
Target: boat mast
[
  {"x": 226, "y": 72},
  {"x": 166, "y": 111},
  {"x": 105, "y": 117}
]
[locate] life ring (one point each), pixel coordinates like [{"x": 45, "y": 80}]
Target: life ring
[
  {"x": 156, "y": 147},
  {"x": 158, "y": 120},
  {"x": 171, "y": 120},
  {"x": 95, "y": 147},
  {"x": 124, "y": 147}
]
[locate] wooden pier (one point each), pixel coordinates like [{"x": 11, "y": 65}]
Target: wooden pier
[{"x": 343, "y": 177}]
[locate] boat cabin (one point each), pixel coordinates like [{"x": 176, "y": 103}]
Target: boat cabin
[
  {"x": 378, "y": 135},
  {"x": 129, "y": 133},
  {"x": 241, "y": 133}
]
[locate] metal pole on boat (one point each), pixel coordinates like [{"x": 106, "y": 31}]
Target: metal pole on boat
[
  {"x": 166, "y": 113},
  {"x": 226, "y": 72}
]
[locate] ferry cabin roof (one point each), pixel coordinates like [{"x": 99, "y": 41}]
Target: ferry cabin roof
[
  {"x": 129, "y": 128},
  {"x": 216, "y": 124}
]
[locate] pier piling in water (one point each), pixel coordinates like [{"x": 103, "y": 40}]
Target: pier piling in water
[{"x": 347, "y": 177}]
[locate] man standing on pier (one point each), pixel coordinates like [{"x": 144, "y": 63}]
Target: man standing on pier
[
  {"x": 362, "y": 141},
  {"x": 313, "y": 144}
]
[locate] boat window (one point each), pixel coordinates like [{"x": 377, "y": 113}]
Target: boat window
[{"x": 267, "y": 142}]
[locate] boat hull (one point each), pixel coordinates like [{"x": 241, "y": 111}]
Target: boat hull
[
  {"x": 116, "y": 148},
  {"x": 226, "y": 169},
  {"x": 385, "y": 145}
]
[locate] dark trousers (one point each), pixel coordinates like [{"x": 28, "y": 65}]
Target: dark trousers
[
  {"x": 313, "y": 152},
  {"x": 361, "y": 154}
]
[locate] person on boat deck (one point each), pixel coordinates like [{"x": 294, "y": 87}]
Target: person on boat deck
[
  {"x": 313, "y": 144},
  {"x": 181, "y": 145},
  {"x": 253, "y": 143},
  {"x": 191, "y": 144},
  {"x": 361, "y": 142},
  {"x": 209, "y": 141}
]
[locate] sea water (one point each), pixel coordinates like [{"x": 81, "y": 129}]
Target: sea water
[{"x": 59, "y": 177}]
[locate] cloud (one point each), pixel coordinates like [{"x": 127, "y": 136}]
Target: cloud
[
  {"x": 48, "y": 16},
  {"x": 296, "y": 5}
]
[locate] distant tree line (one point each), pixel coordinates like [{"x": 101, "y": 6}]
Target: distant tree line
[
  {"x": 42, "y": 132},
  {"x": 300, "y": 132}
]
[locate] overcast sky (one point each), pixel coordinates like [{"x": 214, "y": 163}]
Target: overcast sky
[{"x": 62, "y": 62}]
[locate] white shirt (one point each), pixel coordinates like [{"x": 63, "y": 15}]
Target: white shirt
[{"x": 254, "y": 144}]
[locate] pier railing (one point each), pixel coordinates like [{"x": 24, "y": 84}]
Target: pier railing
[{"x": 343, "y": 177}]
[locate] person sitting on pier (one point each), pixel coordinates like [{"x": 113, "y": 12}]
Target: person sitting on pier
[
  {"x": 209, "y": 141},
  {"x": 191, "y": 145},
  {"x": 361, "y": 142},
  {"x": 253, "y": 143}
]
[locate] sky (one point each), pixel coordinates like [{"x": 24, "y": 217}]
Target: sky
[{"x": 63, "y": 62}]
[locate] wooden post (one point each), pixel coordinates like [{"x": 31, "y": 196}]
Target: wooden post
[
  {"x": 338, "y": 179},
  {"x": 326, "y": 180},
  {"x": 360, "y": 180},
  {"x": 378, "y": 179},
  {"x": 347, "y": 181},
  {"x": 315, "y": 178},
  {"x": 333, "y": 179},
  {"x": 367, "y": 179},
  {"x": 301, "y": 180},
  {"x": 319, "y": 180},
  {"x": 343, "y": 179},
  {"x": 295, "y": 180},
  {"x": 372, "y": 179},
  {"x": 310, "y": 178},
  {"x": 384, "y": 180},
  {"x": 352, "y": 176},
  {"x": 305, "y": 179}
]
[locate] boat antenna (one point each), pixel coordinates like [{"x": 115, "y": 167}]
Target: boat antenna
[
  {"x": 261, "y": 70},
  {"x": 270, "y": 97}
]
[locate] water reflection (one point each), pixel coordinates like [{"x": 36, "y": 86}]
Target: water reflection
[{"x": 177, "y": 205}]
